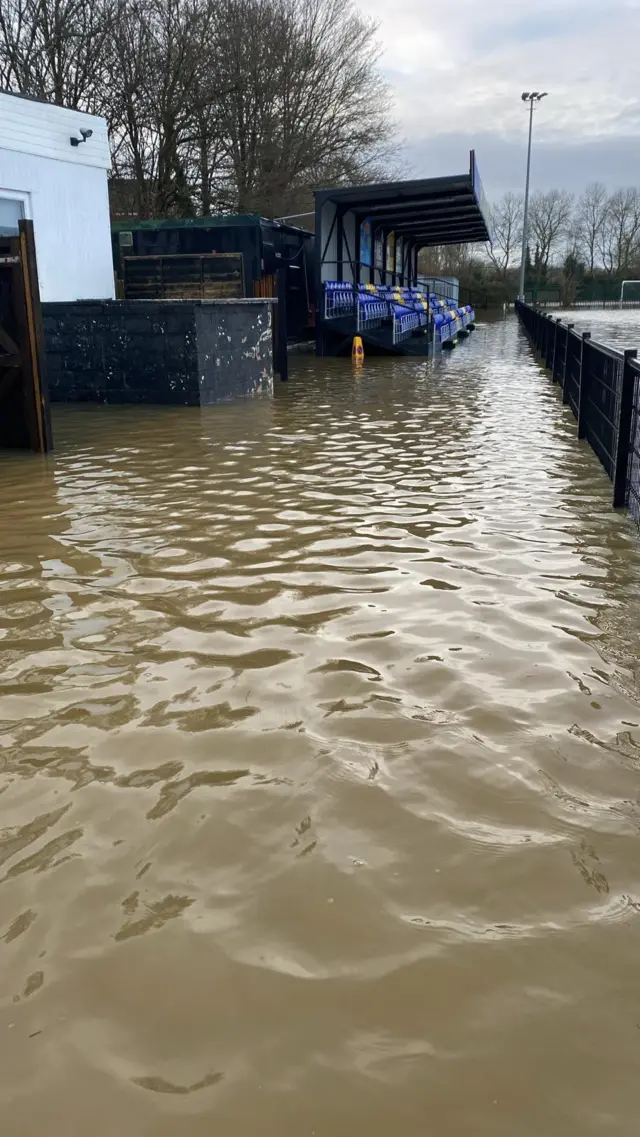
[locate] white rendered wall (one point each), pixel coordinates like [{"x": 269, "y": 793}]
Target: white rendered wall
[{"x": 63, "y": 189}]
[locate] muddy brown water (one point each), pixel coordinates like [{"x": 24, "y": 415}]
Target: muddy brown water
[{"x": 320, "y": 766}]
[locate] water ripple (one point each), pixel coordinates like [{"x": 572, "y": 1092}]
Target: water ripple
[{"x": 319, "y": 754}]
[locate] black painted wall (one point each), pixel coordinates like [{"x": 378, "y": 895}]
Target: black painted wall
[
  {"x": 185, "y": 352},
  {"x": 235, "y": 352},
  {"x": 265, "y": 247}
]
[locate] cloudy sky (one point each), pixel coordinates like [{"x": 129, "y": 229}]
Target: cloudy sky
[{"x": 457, "y": 70}]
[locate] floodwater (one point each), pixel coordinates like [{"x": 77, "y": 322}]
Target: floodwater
[
  {"x": 320, "y": 767},
  {"x": 615, "y": 327}
]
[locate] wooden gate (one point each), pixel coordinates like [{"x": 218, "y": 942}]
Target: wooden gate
[
  {"x": 183, "y": 276},
  {"x": 25, "y": 421}
]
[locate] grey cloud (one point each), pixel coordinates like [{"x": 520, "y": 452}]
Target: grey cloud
[{"x": 569, "y": 165}]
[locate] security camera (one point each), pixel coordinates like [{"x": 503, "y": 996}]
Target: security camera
[{"x": 85, "y": 135}]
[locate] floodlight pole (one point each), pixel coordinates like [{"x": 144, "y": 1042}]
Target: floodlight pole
[{"x": 532, "y": 98}]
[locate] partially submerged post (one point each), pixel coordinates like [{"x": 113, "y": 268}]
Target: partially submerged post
[
  {"x": 623, "y": 437},
  {"x": 281, "y": 353},
  {"x": 25, "y": 421}
]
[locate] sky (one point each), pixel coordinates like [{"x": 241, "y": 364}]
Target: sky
[{"x": 457, "y": 70}]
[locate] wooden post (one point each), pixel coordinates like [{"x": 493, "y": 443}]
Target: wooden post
[
  {"x": 24, "y": 406},
  {"x": 38, "y": 397},
  {"x": 623, "y": 445},
  {"x": 583, "y": 385}
]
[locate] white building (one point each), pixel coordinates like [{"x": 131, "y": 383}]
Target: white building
[{"x": 62, "y": 187}]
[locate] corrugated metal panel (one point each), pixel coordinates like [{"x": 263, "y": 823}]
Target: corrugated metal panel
[{"x": 29, "y": 127}]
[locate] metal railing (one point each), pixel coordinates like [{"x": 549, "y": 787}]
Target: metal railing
[
  {"x": 602, "y": 387},
  {"x": 605, "y": 304},
  {"x": 340, "y": 303},
  {"x": 370, "y": 313},
  {"x": 440, "y": 286},
  {"x": 404, "y": 326},
  {"x": 633, "y": 472}
]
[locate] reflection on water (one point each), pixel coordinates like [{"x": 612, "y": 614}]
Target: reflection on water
[
  {"x": 616, "y": 327},
  {"x": 320, "y": 728}
]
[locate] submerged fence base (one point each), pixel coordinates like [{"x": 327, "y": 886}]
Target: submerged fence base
[{"x": 602, "y": 387}]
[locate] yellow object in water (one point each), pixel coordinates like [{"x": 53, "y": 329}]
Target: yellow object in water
[{"x": 357, "y": 350}]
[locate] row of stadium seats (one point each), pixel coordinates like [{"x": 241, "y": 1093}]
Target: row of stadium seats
[{"x": 409, "y": 309}]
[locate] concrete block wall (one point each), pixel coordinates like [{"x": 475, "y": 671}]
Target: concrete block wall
[
  {"x": 234, "y": 349},
  {"x": 181, "y": 352}
]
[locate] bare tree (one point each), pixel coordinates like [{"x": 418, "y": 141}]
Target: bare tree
[
  {"x": 550, "y": 217},
  {"x": 447, "y": 260},
  {"x": 506, "y": 218},
  {"x": 56, "y": 50},
  {"x": 619, "y": 238},
  {"x": 160, "y": 98},
  {"x": 589, "y": 222},
  {"x": 301, "y": 99},
  {"x": 236, "y": 104}
]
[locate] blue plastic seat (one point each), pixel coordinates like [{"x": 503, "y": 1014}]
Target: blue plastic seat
[{"x": 338, "y": 298}]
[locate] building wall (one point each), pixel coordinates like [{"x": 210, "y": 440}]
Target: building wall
[
  {"x": 328, "y": 268},
  {"x": 234, "y": 350},
  {"x": 123, "y": 351},
  {"x": 63, "y": 189},
  {"x": 348, "y": 244},
  {"x": 181, "y": 352}
]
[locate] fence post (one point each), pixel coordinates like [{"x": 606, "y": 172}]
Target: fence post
[
  {"x": 582, "y": 390},
  {"x": 565, "y": 393},
  {"x": 623, "y": 447},
  {"x": 566, "y": 354},
  {"x": 282, "y": 358},
  {"x": 556, "y": 329},
  {"x": 553, "y": 333},
  {"x": 551, "y": 343},
  {"x": 559, "y": 373}
]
